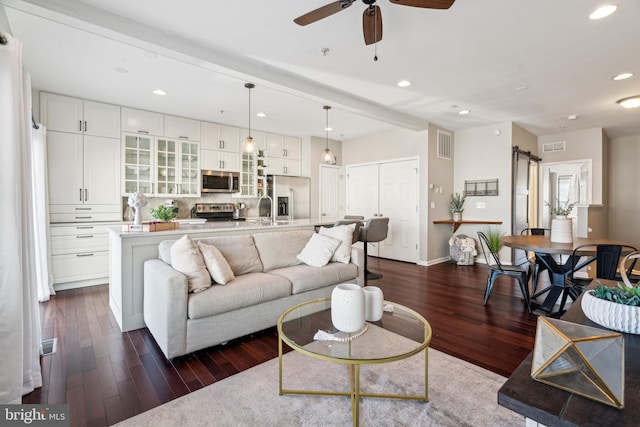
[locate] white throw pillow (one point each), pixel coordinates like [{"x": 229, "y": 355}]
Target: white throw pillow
[
  {"x": 318, "y": 250},
  {"x": 345, "y": 234},
  {"x": 187, "y": 259},
  {"x": 216, "y": 264}
]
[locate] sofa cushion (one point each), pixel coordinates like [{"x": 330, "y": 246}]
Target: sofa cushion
[
  {"x": 243, "y": 291},
  {"x": 217, "y": 265},
  {"x": 279, "y": 249},
  {"x": 187, "y": 259},
  {"x": 345, "y": 234},
  {"x": 319, "y": 250},
  {"x": 305, "y": 277},
  {"x": 239, "y": 251}
]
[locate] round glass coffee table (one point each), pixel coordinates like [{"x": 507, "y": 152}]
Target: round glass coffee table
[{"x": 400, "y": 333}]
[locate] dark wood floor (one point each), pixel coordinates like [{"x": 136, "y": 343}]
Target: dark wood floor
[{"x": 106, "y": 376}]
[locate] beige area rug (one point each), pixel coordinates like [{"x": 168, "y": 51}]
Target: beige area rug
[{"x": 460, "y": 394}]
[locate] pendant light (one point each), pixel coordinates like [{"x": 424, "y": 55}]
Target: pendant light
[
  {"x": 327, "y": 156},
  {"x": 249, "y": 146}
]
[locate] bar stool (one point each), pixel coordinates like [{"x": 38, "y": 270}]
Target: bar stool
[{"x": 374, "y": 230}]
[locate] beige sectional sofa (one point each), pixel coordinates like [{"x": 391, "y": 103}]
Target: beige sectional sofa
[{"x": 269, "y": 278}]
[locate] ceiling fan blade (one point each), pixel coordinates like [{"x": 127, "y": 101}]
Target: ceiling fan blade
[
  {"x": 429, "y": 4},
  {"x": 323, "y": 12},
  {"x": 372, "y": 25}
]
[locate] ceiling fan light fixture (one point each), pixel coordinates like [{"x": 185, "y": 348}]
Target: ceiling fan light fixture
[
  {"x": 327, "y": 156},
  {"x": 630, "y": 102},
  {"x": 249, "y": 146},
  {"x": 603, "y": 12}
]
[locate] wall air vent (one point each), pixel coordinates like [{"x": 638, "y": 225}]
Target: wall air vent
[
  {"x": 550, "y": 147},
  {"x": 444, "y": 145}
]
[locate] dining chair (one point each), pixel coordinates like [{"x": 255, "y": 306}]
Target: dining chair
[
  {"x": 537, "y": 266},
  {"x": 497, "y": 269},
  {"x": 607, "y": 258}
]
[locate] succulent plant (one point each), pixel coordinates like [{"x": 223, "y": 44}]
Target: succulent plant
[
  {"x": 457, "y": 201},
  {"x": 622, "y": 294}
]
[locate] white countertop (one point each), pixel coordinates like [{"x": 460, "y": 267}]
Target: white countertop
[{"x": 212, "y": 226}]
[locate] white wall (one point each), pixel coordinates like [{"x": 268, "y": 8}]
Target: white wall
[
  {"x": 624, "y": 189},
  {"x": 395, "y": 144}
]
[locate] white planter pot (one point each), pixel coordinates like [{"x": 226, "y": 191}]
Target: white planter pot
[
  {"x": 619, "y": 317},
  {"x": 348, "y": 307},
  {"x": 561, "y": 230}
]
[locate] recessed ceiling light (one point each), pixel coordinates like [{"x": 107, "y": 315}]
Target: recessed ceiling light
[
  {"x": 261, "y": 115},
  {"x": 572, "y": 117},
  {"x": 404, "y": 83},
  {"x": 463, "y": 112},
  {"x": 630, "y": 102},
  {"x": 603, "y": 12},
  {"x": 159, "y": 92},
  {"x": 622, "y": 76},
  {"x": 522, "y": 88},
  {"x": 122, "y": 70}
]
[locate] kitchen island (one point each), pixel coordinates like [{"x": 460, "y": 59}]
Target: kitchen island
[{"x": 128, "y": 250}]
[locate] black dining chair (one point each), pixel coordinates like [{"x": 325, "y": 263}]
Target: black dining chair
[
  {"x": 607, "y": 258},
  {"x": 537, "y": 266},
  {"x": 497, "y": 269}
]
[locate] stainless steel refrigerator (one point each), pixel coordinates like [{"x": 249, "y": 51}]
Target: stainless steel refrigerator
[{"x": 290, "y": 194}]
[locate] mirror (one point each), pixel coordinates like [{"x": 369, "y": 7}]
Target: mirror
[{"x": 565, "y": 182}]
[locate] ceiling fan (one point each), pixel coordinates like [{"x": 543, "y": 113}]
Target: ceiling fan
[{"x": 371, "y": 18}]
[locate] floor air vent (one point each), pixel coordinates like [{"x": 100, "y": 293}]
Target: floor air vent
[{"x": 49, "y": 346}]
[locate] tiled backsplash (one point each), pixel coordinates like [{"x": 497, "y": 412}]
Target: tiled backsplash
[{"x": 186, "y": 203}]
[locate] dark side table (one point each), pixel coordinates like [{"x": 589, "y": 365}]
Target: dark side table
[{"x": 551, "y": 406}]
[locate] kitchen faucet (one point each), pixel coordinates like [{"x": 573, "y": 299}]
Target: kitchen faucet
[{"x": 273, "y": 217}]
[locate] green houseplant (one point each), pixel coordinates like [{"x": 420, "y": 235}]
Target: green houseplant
[
  {"x": 616, "y": 308},
  {"x": 456, "y": 205},
  {"x": 163, "y": 213},
  {"x": 560, "y": 210},
  {"x": 494, "y": 236}
]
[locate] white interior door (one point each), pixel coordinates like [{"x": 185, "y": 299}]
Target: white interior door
[
  {"x": 399, "y": 202},
  {"x": 330, "y": 193},
  {"x": 362, "y": 190}
]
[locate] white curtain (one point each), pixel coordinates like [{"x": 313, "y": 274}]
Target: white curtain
[
  {"x": 44, "y": 275},
  {"x": 20, "y": 333}
]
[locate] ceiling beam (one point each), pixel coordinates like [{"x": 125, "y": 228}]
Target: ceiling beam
[{"x": 97, "y": 21}]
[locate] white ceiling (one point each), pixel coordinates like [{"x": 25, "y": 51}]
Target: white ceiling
[{"x": 533, "y": 62}]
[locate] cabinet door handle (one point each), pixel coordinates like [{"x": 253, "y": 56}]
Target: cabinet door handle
[
  {"x": 80, "y": 125},
  {"x": 82, "y": 255},
  {"x": 84, "y": 217},
  {"x": 87, "y": 227},
  {"x": 222, "y": 144},
  {"x": 85, "y": 125},
  {"x": 86, "y": 193},
  {"x": 83, "y": 209},
  {"x": 146, "y": 132},
  {"x": 222, "y": 164},
  {"x": 81, "y": 194},
  {"x": 85, "y": 236}
]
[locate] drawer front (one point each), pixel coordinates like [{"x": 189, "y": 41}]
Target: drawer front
[
  {"x": 85, "y": 217},
  {"x": 82, "y": 229},
  {"x": 84, "y": 209},
  {"x": 79, "y": 244},
  {"x": 82, "y": 266}
]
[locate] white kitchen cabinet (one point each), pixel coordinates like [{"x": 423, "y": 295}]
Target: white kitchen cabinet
[
  {"x": 248, "y": 175},
  {"x": 280, "y": 166},
  {"x": 388, "y": 189},
  {"x": 181, "y": 128},
  {"x": 220, "y": 137},
  {"x": 283, "y": 146},
  {"x": 83, "y": 170},
  {"x": 74, "y": 115},
  {"x": 158, "y": 166},
  {"x": 79, "y": 255},
  {"x": 220, "y": 160},
  {"x": 141, "y": 121}
]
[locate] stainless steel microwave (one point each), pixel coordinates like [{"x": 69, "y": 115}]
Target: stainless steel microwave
[{"x": 220, "y": 182}]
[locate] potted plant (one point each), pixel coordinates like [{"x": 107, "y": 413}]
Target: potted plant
[
  {"x": 494, "y": 236},
  {"x": 164, "y": 216},
  {"x": 561, "y": 226},
  {"x": 616, "y": 308},
  {"x": 456, "y": 205}
]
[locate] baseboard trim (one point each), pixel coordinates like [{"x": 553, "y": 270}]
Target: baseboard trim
[{"x": 433, "y": 261}]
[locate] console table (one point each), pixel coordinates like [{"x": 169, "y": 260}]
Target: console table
[
  {"x": 456, "y": 224},
  {"x": 551, "y": 406}
]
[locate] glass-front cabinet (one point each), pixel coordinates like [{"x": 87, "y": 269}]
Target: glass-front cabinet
[
  {"x": 189, "y": 168},
  {"x": 248, "y": 175},
  {"x": 158, "y": 166},
  {"x": 137, "y": 164}
]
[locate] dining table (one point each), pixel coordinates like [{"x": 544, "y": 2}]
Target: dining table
[{"x": 559, "y": 260}]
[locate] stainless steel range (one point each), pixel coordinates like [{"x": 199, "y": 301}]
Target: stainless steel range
[{"x": 217, "y": 212}]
